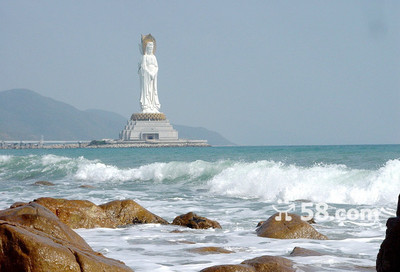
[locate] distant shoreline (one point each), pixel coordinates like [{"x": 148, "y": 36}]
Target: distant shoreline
[{"x": 147, "y": 144}]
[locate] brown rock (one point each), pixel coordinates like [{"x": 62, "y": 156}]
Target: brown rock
[
  {"x": 288, "y": 229},
  {"x": 24, "y": 248},
  {"x": 192, "y": 220},
  {"x": 77, "y": 213},
  {"x": 126, "y": 212},
  {"x": 43, "y": 183},
  {"x": 299, "y": 251},
  {"x": 39, "y": 218},
  {"x": 18, "y": 204},
  {"x": 229, "y": 268},
  {"x": 85, "y": 214},
  {"x": 210, "y": 250},
  {"x": 389, "y": 252},
  {"x": 311, "y": 221},
  {"x": 270, "y": 264},
  {"x": 178, "y": 231},
  {"x": 260, "y": 223},
  {"x": 87, "y": 186}
]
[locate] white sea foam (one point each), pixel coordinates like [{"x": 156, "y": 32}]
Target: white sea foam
[
  {"x": 5, "y": 158},
  {"x": 156, "y": 172},
  {"x": 51, "y": 159},
  {"x": 273, "y": 181},
  {"x": 266, "y": 180}
]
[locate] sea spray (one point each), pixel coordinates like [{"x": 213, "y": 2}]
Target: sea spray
[
  {"x": 266, "y": 180},
  {"x": 276, "y": 181}
]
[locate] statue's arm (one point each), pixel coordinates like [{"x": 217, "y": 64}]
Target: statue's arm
[
  {"x": 150, "y": 66},
  {"x": 141, "y": 66}
]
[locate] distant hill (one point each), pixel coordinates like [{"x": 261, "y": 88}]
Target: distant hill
[
  {"x": 27, "y": 115},
  {"x": 193, "y": 133}
]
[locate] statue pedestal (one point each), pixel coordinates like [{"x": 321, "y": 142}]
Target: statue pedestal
[{"x": 149, "y": 127}]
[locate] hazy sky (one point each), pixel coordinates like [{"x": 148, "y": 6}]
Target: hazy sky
[{"x": 258, "y": 72}]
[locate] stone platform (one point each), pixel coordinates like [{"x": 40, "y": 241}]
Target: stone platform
[
  {"x": 148, "y": 117},
  {"x": 149, "y": 127}
]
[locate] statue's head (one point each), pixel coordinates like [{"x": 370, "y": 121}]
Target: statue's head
[
  {"x": 148, "y": 44},
  {"x": 149, "y": 48}
]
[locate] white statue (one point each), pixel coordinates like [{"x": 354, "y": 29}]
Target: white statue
[{"x": 148, "y": 70}]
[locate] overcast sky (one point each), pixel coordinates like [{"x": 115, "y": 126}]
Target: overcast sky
[{"x": 258, "y": 72}]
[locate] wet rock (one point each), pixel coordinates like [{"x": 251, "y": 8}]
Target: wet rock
[
  {"x": 229, "y": 268},
  {"x": 192, "y": 220},
  {"x": 26, "y": 249},
  {"x": 260, "y": 223},
  {"x": 126, "y": 212},
  {"x": 77, "y": 213},
  {"x": 18, "y": 204},
  {"x": 32, "y": 238},
  {"x": 311, "y": 221},
  {"x": 283, "y": 228},
  {"x": 85, "y": 214},
  {"x": 43, "y": 183},
  {"x": 40, "y": 218},
  {"x": 86, "y": 186},
  {"x": 299, "y": 251},
  {"x": 210, "y": 250},
  {"x": 389, "y": 252},
  {"x": 270, "y": 263},
  {"x": 178, "y": 231}
]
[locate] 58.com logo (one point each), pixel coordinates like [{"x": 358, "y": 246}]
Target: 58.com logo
[{"x": 320, "y": 211}]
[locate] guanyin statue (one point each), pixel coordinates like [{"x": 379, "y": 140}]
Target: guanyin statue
[{"x": 148, "y": 70}]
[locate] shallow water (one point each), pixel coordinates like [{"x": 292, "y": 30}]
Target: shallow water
[{"x": 351, "y": 191}]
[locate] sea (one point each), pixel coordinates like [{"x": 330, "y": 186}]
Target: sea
[{"x": 350, "y": 191}]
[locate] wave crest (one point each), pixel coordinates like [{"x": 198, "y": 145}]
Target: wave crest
[
  {"x": 157, "y": 172},
  {"x": 264, "y": 180},
  {"x": 275, "y": 181}
]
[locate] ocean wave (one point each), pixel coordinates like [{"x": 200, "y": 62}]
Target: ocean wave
[
  {"x": 58, "y": 167},
  {"x": 264, "y": 180},
  {"x": 276, "y": 181},
  {"x": 156, "y": 172},
  {"x": 5, "y": 158}
]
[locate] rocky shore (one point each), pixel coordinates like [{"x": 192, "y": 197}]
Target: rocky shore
[{"x": 38, "y": 236}]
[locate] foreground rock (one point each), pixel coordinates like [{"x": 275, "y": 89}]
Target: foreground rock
[
  {"x": 229, "y": 268},
  {"x": 77, "y": 213},
  {"x": 34, "y": 239},
  {"x": 259, "y": 264},
  {"x": 127, "y": 212},
  {"x": 389, "y": 252},
  {"x": 295, "y": 228},
  {"x": 85, "y": 214},
  {"x": 43, "y": 183},
  {"x": 299, "y": 251},
  {"x": 270, "y": 263},
  {"x": 39, "y": 218},
  {"x": 192, "y": 220},
  {"x": 210, "y": 250}
]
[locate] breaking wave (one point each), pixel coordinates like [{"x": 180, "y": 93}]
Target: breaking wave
[
  {"x": 264, "y": 180},
  {"x": 275, "y": 181}
]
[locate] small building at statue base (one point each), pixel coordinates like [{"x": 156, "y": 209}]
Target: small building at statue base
[
  {"x": 153, "y": 129},
  {"x": 149, "y": 127}
]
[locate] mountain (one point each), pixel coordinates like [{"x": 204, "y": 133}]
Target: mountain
[
  {"x": 193, "y": 133},
  {"x": 27, "y": 115}
]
